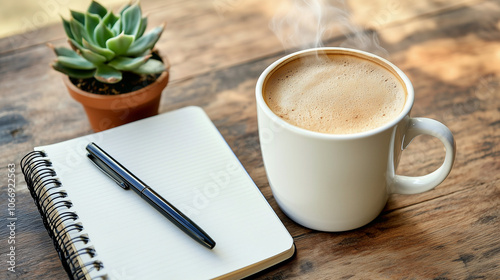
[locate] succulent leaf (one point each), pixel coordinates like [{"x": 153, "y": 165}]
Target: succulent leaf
[
  {"x": 127, "y": 63},
  {"x": 131, "y": 20},
  {"x": 75, "y": 45},
  {"x": 98, "y": 9},
  {"x": 102, "y": 34},
  {"x": 117, "y": 27},
  {"x": 80, "y": 17},
  {"x": 107, "y": 53},
  {"x": 77, "y": 30},
  {"x": 91, "y": 21},
  {"x": 67, "y": 28},
  {"x": 152, "y": 66},
  {"x": 107, "y": 74},
  {"x": 110, "y": 19},
  {"x": 120, "y": 44},
  {"x": 75, "y": 62},
  {"x": 92, "y": 56},
  {"x": 62, "y": 51},
  {"x": 145, "y": 43},
  {"x": 144, "y": 23},
  {"x": 78, "y": 74}
]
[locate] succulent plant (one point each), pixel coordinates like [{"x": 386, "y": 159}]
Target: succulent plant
[{"x": 104, "y": 44}]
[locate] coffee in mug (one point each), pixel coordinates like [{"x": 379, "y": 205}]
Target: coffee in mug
[{"x": 334, "y": 93}]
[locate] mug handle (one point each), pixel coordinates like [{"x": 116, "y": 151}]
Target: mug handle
[{"x": 412, "y": 185}]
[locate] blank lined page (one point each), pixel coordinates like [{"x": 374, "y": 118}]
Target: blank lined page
[{"x": 183, "y": 157}]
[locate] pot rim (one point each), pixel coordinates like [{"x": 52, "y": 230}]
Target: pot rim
[{"x": 105, "y": 101}]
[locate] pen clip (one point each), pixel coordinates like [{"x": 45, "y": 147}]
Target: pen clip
[{"x": 108, "y": 171}]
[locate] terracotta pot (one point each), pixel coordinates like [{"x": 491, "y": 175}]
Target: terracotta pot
[{"x": 107, "y": 111}]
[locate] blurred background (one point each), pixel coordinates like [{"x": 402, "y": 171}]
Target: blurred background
[{"x": 20, "y": 16}]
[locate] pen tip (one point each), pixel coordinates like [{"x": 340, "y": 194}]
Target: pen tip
[{"x": 210, "y": 243}]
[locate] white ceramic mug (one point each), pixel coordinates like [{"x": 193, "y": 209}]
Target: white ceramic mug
[{"x": 332, "y": 182}]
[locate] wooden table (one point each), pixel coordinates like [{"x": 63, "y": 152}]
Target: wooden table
[{"x": 449, "y": 49}]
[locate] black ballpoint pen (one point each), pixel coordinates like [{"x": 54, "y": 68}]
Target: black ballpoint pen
[{"x": 126, "y": 180}]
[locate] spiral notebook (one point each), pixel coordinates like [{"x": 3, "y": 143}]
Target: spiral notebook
[{"x": 104, "y": 232}]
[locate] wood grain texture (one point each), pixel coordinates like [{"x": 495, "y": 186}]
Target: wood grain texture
[{"x": 450, "y": 51}]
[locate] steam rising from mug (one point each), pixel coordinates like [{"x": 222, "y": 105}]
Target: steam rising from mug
[{"x": 305, "y": 23}]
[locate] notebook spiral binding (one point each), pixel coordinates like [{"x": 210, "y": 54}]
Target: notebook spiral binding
[{"x": 58, "y": 218}]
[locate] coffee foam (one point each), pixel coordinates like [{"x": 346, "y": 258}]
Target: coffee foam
[{"x": 335, "y": 94}]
